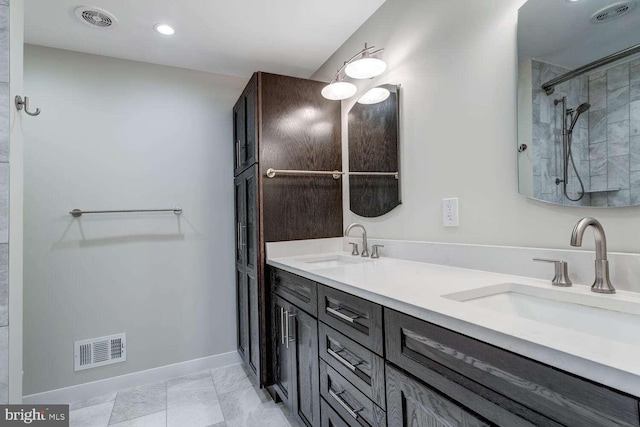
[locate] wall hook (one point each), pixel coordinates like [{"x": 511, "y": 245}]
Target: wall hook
[{"x": 20, "y": 104}]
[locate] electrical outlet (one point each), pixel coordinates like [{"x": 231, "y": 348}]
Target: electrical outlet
[{"x": 450, "y": 212}]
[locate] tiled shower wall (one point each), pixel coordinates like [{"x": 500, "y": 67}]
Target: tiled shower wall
[
  {"x": 547, "y": 137},
  {"x": 614, "y": 134},
  {"x": 5, "y": 104},
  {"x": 606, "y": 142}
]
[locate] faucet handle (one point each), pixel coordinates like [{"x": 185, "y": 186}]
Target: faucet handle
[
  {"x": 374, "y": 251},
  {"x": 354, "y": 252},
  {"x": 561, "y": 277}
]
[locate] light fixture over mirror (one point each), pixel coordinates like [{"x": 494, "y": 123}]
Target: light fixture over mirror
[
  {"x": 362, "y": 65},
  {"x": 375, "y": 95}
]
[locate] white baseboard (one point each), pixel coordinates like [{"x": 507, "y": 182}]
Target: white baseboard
[{"x": 110, "y": 385}]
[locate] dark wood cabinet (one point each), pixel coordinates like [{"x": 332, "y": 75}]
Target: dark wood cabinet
[
  {"x": 412, "y": 403},
  {"x": 245, "y": 129},
  {"x": 280, "y": 122},
  {"x": 247, "y": 271},
  {"x": 295, "y": 360}
]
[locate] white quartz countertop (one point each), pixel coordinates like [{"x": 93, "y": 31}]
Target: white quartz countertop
[{"x": 417, "y": 289}]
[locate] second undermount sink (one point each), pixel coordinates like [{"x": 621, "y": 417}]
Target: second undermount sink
[
  {"x": 329, "y": 261},
  {"x": 615, "y": 318}
]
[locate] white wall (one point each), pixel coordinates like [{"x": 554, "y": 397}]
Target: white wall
[
  {"x": 457, "y": 63},
  {"x": 116, "y": 134}
]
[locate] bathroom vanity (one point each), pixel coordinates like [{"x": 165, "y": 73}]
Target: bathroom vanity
[{"x": 361, "y": 342}]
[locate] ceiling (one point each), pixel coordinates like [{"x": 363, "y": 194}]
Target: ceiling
[
  {"x": 560, "y": 32},
  {"x": 232, "y": 37}
]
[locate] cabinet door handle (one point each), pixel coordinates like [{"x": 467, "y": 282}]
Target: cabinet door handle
[
  {"x": 342, "y": 360},
  {"x": 286, "y": 327},
  {"x": 238, "y": 241},
  {"x": 243, "y": 235},
  {"x": 282, "y": 325},
  {"x": 336, "y": 313},
  {"x": 344, "y": 404},
  {"x": 238, "y": 154}
]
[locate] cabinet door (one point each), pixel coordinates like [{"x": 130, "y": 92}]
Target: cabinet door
[
  {"x": 253, "y": 311},
  {"x": 250, "y": 226},
  {"x": 239, "y": 135},
  {"x": 282, "y": 357},
  {"x": 303, "y": 337},
  {"x": 240, "y": 197},
  {"x": 412, "y": 403},
  {"x": 243, "y": 314},
  {"x": 251, "y": 122}
]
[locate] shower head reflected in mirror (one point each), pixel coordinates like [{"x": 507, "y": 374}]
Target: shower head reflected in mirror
[{"x": 582, "y": 108}]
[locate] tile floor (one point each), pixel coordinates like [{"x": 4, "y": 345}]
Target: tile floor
[{"x": 223, "y": 397}]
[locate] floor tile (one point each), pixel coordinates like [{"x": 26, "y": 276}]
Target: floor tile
[
  {"x": 249, "y": 407},
  {"x": 140, "y": 401},
  {"x": 153, "y": 420},
  {"x": 91, "y": 416},
  {"x": 230, "y": 378},
  {"x": 194, "y": 407},
  {"x": 92, "y": 401},
  {"x": 199, "y": 380}
]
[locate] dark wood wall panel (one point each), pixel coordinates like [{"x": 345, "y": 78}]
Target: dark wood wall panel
[
  {"x": 373, "y": 147},
  {"x": 299, "y": 130}
]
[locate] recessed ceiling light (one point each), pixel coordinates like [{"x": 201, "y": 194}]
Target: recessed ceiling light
[
  {"x": 165, "y": 29},
  {"x": 572, "y": 1}
]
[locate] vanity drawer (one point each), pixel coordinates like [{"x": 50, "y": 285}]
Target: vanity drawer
[
  {"x": 301, "y": 292},
  {"x": 352, "y": 405},
  {"x": 359, "y": 365},
  {"x": 329, "y": 417},
  {"x": 359, "y": 319},
  {"x": 516, "y": 381}
]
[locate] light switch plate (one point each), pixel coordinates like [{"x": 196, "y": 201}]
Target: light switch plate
[{"x": 450, "y": 212}]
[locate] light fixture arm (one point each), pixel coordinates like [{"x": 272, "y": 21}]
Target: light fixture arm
[{"x": 368, "y": 50}]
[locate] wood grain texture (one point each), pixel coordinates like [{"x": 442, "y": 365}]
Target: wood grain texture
[
  {"x": 413, "y": 344},
  {"x": 299, "y": 130},
  {"x": 373, "y": 147},
  {"x": 307, "y": 375},
  {"x": 329, "y": 417},
  {"x": 412, "y": 403},
  {"x": 368, "y": 375},
  {"x": 369, "y": 414},
  {"x": 301, "y": 292},
  {"x": 366, "y": 328}
]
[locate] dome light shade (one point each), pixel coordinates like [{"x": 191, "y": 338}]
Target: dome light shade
[
  {"x": 365, "y": 68},
  {"x": 339, "y": 90},
  {"x": 375, "y": 95}
]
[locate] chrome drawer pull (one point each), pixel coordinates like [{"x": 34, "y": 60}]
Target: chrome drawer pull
[
  {"x": 344, "y": 404},
  {"x": 282, "y": 325},
  {"x": 340, "y": 315},
  {"x": 342, "y": 360},
  {"x": 286, "y": 328}
]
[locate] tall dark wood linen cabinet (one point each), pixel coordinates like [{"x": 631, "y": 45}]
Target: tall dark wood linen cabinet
[{"x": 281, "y": 123}]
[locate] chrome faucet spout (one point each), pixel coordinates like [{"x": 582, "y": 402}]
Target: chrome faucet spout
[
  {"x": 365, "y": 248},
  {"x": 602, "y": 283}
]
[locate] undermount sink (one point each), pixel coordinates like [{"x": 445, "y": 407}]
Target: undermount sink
[
  {"x": 615, "y": 318},
  {"x": 333, "y": 261}
]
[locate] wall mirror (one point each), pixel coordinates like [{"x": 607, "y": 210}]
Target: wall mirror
[
  {"x": 374, "y": 178},
  {"x": 579, "y": 102}
]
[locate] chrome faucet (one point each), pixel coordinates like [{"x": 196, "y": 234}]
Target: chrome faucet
[
  {"x": 602, "y": 283},
  {"x": 365, "y": 249}
]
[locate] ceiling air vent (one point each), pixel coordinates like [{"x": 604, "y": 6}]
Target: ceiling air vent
[
  {"x": 101, "y": 351},
  {"x": 95, "y": 17},
  {"x": 613, "y": 11}
]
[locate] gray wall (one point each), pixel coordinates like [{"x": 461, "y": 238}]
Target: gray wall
[
  {"x": 457, "y": 63},
  {"x": 116, "y": 134},
  {"x": 5, "y": 105}
]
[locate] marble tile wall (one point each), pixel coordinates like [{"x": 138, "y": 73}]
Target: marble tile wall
[
  {"x": 614, "y": 134},
  {"x": 547, "y": 137},
  {"x": 4, "y": 200}
]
